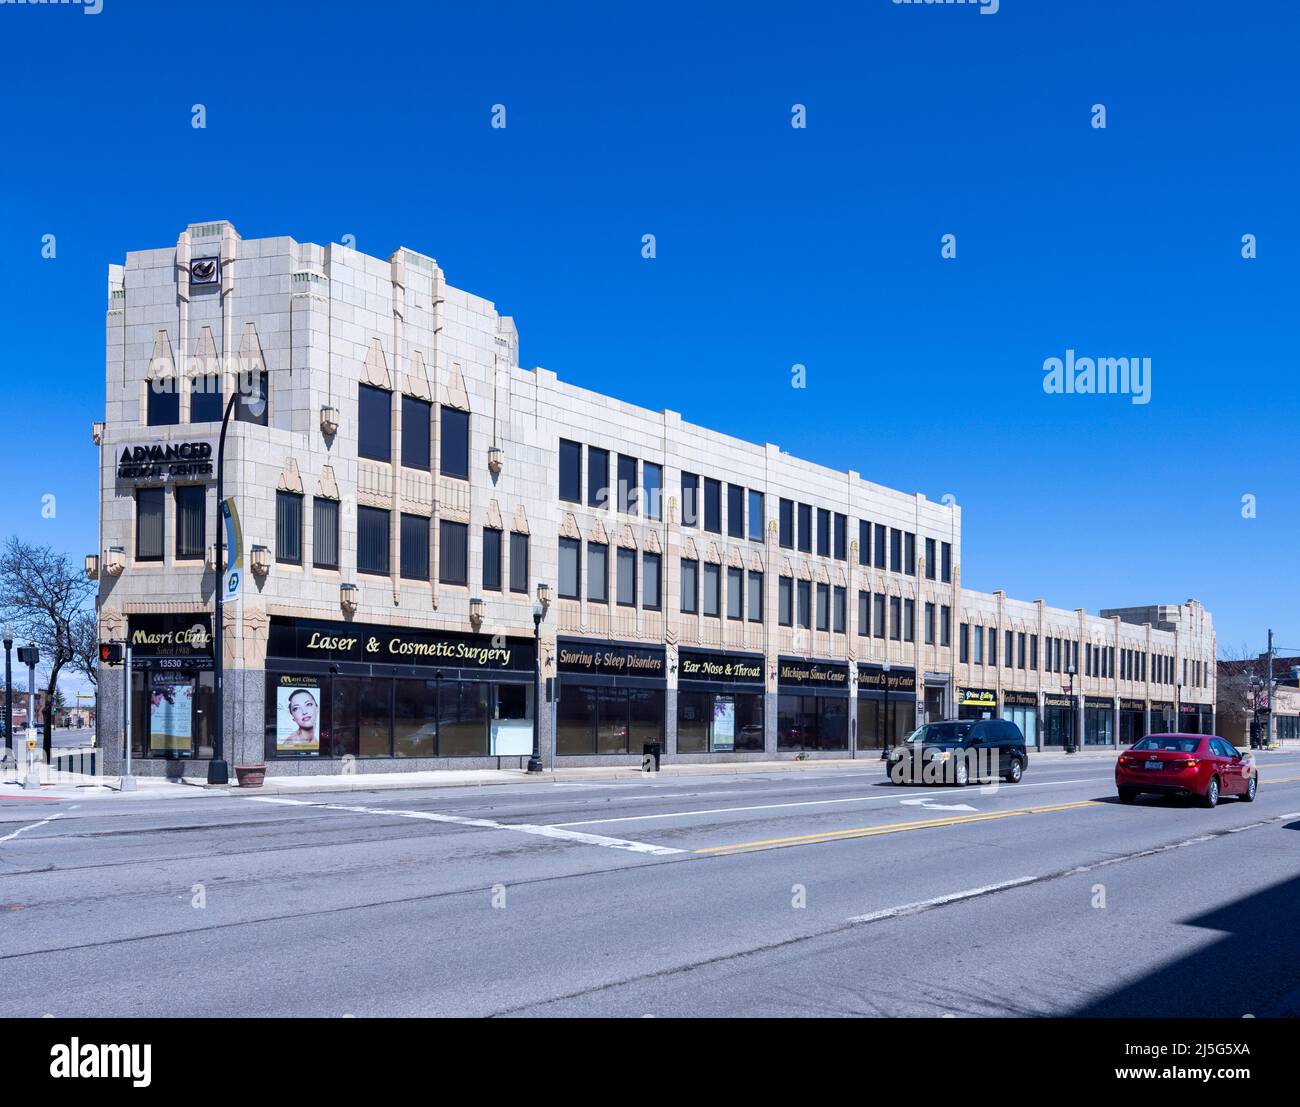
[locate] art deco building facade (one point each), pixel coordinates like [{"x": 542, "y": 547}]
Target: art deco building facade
[{"x": 406, "y": 488}]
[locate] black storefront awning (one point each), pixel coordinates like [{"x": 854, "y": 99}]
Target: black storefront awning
[
  {"x": 171, "y": 642},
  {"x": 823, "y": 678},
  {"x": 713, "y": 671},
  {"x": 368, "y": 649},
  {"x": 872, "y": 681},
  {"x": 628, "y": 664}
]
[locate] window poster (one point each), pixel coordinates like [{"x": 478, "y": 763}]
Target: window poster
[
  {"x": 724, "y": 723},
  {"x": 171, "y": 716},
  {"x": 298, "y": 715}
]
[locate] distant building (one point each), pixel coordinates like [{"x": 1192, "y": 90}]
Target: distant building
[{"x": 1243, "y": 699}]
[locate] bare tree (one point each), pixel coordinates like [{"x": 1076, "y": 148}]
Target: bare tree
[
  {"x": 42, "y": 593},
  {"x": 1242, "y": 678},
  {"x": 85, "y": 646}
]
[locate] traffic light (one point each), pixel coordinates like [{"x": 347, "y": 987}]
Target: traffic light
[{"x": 110, "y": 653}]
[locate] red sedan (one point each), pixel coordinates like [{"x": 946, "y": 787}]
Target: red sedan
[{"x": 1186, "y": 765}]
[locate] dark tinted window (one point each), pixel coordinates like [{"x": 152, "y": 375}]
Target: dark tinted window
[
  {"x": 415, "y": 547},
  {"x": 190, "y": 519},
  {"x": 453, "y": 450},
  {"x": 941, "y": 732},
  {"x": 597, "y": 477},
  {"x": 288, "y": 527},
  {"x": 570, "y": 471},
  {"x": 735, "y": 511},
  {"x": 163, "y": 406},
  {"x": 712, "y": 505},
  {"x": 415, "y": 432},
  {"x": 207, "y": 404},
  {"x": 372, "y": 540},
  {"x": 374, "y": 423},
  {"x": 491, "y": 559},
  {"x": 453, "y": 552},
  {"x": 518, "y": 562}
]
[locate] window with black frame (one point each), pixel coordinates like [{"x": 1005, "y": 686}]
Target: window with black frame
[
  {"x": 453, "y": 443},
  {"x": 191, "y": 522},
  {"x": 372, "y": 540},
  {"x": 414, "y": 544},
  {"x": 150, "y": 508},
  {"x": 325, "y": 533},
  {"x": 288, "y": 528},
  {"x": 453, "y": 552},
  {"x": 417, "y": 418},
  {"x": 374, "y": 423}
]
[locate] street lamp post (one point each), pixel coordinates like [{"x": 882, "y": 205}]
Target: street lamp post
[
  {"x": 9, "y": 687},
  {"x": 884, "y": 753},
  {"x": 539, "y": 613},
  {"x": 218, "y": 768},
  {"x": 1070, "y": 746}
]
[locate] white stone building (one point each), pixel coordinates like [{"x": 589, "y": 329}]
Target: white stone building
[{"x": 407, "y": 487}]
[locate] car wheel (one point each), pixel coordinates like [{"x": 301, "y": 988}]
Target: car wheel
[
  {"x": 1211, "y": 797},
  {"x": 1128, "y": 795},
  {"x": 1013, "y": 774},
  {"x": 1252, "y": 786},
  {"x": 961, "y": 774}
]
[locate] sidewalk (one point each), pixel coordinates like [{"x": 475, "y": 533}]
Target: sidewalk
[{"x": 147, "y": 787}]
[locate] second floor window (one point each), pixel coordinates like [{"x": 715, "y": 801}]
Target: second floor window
[
  {"x": 414, "y": 542},
  {"x": 518, "y": 562},
  {"x": 191, "y": 516},
  {"x": 325, "y": 533},
  {"x": 570, "y": 568},
  {"x": 453, "y": 552},
  {"x": 372, "y": 540},
  {"x": 690, "y": 587},
  {"x": 288, "y": 528},
  {"x": 491, "y": 559}
]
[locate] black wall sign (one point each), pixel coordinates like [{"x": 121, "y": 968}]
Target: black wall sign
[
  {"x": 1020, "y": 699},
  {"x": 170, "y": 641},
  {"x": 166, "y": 461},
  {"x": 319, "y": 640},
  {"x": 797, "y": 673},
  {"x": 1094, "y": 701},
  {"x": 1132, "y": 705},
  {"x": 871, "y": 678},
  {"x": 723, "y": 668},
  {"x": 1054, "y": 699},
  {"x": 575, "y": 655}
]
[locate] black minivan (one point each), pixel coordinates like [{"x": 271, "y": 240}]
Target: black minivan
[{"x": 959, "y": 751}]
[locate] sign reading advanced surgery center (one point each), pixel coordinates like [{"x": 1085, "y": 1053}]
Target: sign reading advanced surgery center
[
  {"x": 609, "y": 659},
  {"x": 812, "y": 674},
  {"x": 871, "y": 678},
  {"x": 725, "y": 668},
  {"x": 152, "y": 462},
  {"x": 318, "y": 640}
]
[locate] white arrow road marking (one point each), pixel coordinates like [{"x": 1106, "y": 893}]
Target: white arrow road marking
[
  {"x": 937, "y": 806},
  {"x": 487, "y": 824}
]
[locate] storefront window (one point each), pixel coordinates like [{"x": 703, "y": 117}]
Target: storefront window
[
  {"x": 576, "y": 720},
  {"x": 1098, "y": 726},
  {"x": 415, "y": 719},
  {"x": 709, "y": 722},
  {"x": 812, "y": 723},
  {"x": 606, "y": 719},
  {"x": 462, "y": 718}
]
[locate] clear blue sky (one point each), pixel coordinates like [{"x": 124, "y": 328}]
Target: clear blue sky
[{"x": 775, "y": 246}]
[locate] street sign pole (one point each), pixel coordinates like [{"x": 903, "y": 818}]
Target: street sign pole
[
  {"x": 128, "y": 781},
  {"x": 33, "y": 781}
]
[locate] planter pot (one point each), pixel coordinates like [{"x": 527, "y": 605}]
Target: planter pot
[
  {"x": 175, "y": 770},
  {"x": 250, "y": 776}
]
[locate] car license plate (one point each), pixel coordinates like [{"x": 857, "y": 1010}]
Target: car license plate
[{"x": 1152, "y": 765}]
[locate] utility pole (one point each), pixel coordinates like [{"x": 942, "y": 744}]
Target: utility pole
[{"x": 1268, "y": 723}]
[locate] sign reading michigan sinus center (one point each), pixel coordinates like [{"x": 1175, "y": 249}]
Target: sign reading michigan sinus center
[{"x": 152, "y": 462}]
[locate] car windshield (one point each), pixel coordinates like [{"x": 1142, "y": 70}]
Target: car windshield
[
  {"x": 940, "y": 732},
  {"x": 1173, "y": 745}
]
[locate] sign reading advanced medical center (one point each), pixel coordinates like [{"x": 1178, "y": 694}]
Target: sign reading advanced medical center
[
  {"x": 154, "y": 462},
  {"x": 320, "y": 640}
]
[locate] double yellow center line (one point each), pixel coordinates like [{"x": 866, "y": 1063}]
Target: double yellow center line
[{"x": 894, "y": 828}]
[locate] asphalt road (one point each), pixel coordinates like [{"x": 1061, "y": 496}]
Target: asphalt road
[{"x": 819, "y": 892}]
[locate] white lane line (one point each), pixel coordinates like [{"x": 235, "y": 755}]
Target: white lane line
[
  {"x": 939, "y": 901},
  {"x": 888, "y": 797},
  {"x": 33, "y": 826},
  {"x": 486, "y": 824}
]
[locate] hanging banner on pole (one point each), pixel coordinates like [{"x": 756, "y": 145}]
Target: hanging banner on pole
[{"x": 234, "y": 574}]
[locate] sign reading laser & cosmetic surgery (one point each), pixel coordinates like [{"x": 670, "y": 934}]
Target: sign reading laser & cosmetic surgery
[
  {"x": 313, "y": 640},
  {"x": 160, "y": 462}
]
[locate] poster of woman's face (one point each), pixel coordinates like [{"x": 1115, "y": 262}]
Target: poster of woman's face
[{"x": 298, "y": 718}]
